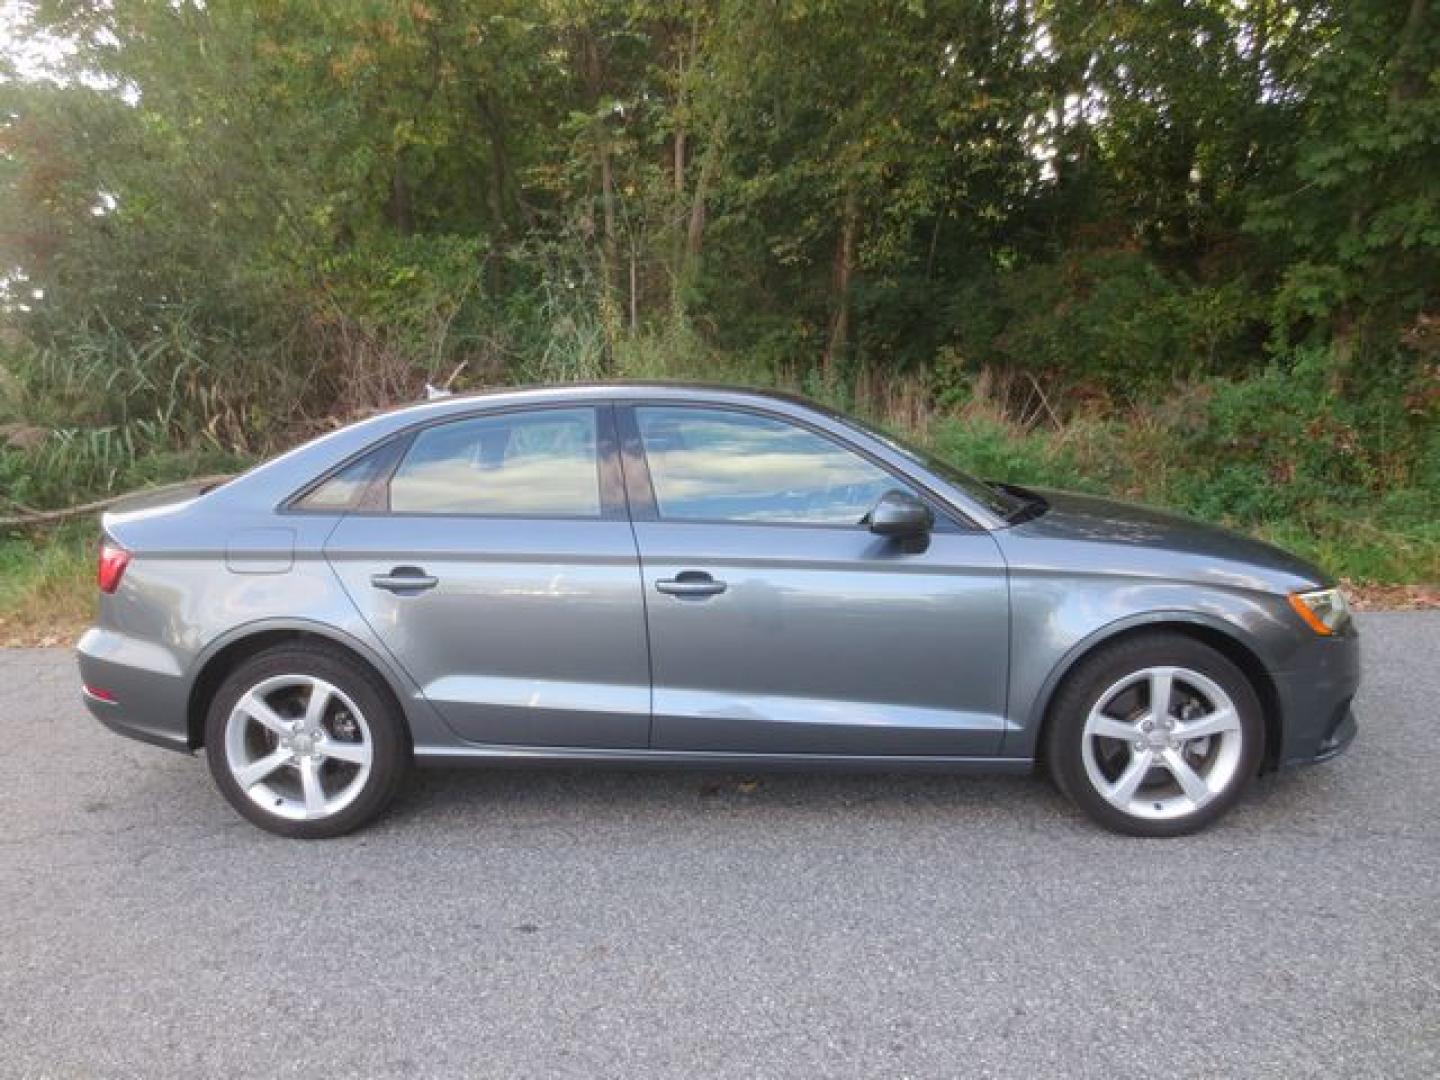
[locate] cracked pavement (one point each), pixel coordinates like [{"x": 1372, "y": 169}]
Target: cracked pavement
[{"x": 568, "y": 923}]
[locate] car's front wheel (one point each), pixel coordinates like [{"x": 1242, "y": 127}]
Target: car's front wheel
[
  {"x": 1157, "y": 735},
  {"x": 304, "y": 741}
]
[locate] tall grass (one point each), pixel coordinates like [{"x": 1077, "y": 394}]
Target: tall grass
[
  {"x": 47, "y": 586},
  {"x": 1388, "y": 533},
  {"x": 1289, "y": 455}
]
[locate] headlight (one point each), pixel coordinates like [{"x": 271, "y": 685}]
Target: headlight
[{"x": 1324, "y": 610}]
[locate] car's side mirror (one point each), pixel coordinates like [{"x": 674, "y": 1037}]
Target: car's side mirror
[{"x": 898, "y": 513}]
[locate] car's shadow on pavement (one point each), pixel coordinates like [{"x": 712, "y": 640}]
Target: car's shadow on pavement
[
  {"x": 550, "y": 796},
  {"x": 592, "y": 793}
]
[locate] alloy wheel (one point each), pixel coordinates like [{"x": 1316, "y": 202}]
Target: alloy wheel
[
  {"x": 1162, "y": 742},
  {"x": 298, "y": 747}
]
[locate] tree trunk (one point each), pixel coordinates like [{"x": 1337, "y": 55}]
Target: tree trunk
[
  {"x": 609, "y": 313},
  {"x": 607, "y": 202},
  {"x": 695, "y": 232},
  {"x": 679, "y": 168},
  {"x": 634, "y": 294},
  {"x": 594, "y": 76},
  {"x": 681, "y": 222},
  {"x": 677, "y": 240},
  {"x": 495, "y": 194},
  {"x": 503, "y": 190},
  {"x": 934, "y": 244},
  {"x": 844, "y": 268},
  {"x": 399, "y": 210},
  {"x": 1410, "y": 73}
]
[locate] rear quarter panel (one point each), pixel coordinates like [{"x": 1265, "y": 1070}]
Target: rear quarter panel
[{"x": 203, "y": 576}]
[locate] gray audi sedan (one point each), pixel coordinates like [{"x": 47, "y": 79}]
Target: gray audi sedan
[{"x": 704, "y": 577}]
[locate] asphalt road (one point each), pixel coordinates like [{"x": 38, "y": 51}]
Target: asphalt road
[{"x": 542, "y": 923}]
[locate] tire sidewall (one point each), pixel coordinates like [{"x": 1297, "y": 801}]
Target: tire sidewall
[
  {"x": 1096, "y": 674},
  {"x": 391, "y": 748}
]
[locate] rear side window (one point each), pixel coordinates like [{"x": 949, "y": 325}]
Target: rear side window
[
  {"x": 722, "y": 465},
  {"x": 345, "y": 489},
  {"x": 542, "y": 463}
]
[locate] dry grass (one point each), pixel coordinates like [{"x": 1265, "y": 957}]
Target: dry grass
[
  {"x": 1393, "y": 597},
  {"x": 53, "y": 631},
  {"x": 904, "y": 401},
  {"x": 47, "y": 590},
  {"x": 1004, "y": 426}
]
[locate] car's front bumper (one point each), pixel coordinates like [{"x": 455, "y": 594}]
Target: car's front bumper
[{"x": 1316, "y": 701}]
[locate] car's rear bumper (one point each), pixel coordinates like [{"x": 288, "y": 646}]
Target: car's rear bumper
[
  {"x": 134, "y": 688},
  {"x": 1316, "y": 702}
]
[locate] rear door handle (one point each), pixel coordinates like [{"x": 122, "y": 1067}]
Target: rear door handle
[
  {"x": 690, "y": 583},
  {"x": 405, "y": 579}
]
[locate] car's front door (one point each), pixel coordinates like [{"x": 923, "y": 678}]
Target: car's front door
[
  {"x": 779, "y": 623},
  {"x": 499, "y": 568}
]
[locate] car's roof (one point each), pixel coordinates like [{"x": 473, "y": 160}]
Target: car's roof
[
  {"x": 280, "y": 477},
  {"x": 605, "y": 390}
]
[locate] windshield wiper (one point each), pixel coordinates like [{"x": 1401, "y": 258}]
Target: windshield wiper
[{"x": 1031, "y": 505}]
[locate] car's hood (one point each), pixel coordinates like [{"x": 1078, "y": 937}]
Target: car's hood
[{"x": 1075, "y": 517}]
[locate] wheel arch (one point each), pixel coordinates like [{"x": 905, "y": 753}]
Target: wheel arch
[
  {"x": 1221, "y": 636},
  {"x": 228, "y": 652}
]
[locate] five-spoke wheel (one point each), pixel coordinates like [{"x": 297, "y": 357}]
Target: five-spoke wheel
[
  {"x": 1156, "y": 735},
  {"x": 1162, "y": 742},
  {"x": 305, "y": 741},
  {"x": 299, "y": 747}
]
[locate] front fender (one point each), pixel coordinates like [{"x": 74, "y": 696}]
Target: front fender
[{"x": 1054, "y": 627}]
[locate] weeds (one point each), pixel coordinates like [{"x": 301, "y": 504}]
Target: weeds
[
  {"x": 47, "y": 589},
  {"x": 1294, "y": 455}
]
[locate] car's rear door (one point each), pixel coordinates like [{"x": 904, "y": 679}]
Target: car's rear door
[
  {"x": 498, "y": 566},
  {"x": 778, "y": 622}
]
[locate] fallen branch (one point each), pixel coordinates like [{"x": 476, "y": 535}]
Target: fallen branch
[
  {"x": 15, "y": 504},
  {"x": 1044, "y": 401},
  {"x": 50, "y": 517}
]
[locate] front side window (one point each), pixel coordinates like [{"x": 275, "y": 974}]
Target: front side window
[
  {"x": 721, "y": 465},
  {"x": 542, "y": 463}
]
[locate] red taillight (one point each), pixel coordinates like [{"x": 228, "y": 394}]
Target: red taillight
[{"x": 113, "y": 561}]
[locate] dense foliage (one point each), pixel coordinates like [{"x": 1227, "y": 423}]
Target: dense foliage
[{"x": 1199, "y": 239}]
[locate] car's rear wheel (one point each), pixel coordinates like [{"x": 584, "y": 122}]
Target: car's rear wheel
[
  {"x": 305, "y": 742},
  {"x": 1158, "y": 735}
]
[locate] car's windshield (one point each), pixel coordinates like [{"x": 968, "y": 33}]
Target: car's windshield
[{"x": 995, "y": 499}]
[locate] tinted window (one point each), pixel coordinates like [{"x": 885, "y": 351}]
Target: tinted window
[
  {"x": 717, "y": 465},
  {"x": 344, "y": 489},
  {"x": 539, "y": 463}
]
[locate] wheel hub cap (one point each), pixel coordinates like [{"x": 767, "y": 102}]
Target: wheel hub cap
[{"x": 1159, "y": 738}]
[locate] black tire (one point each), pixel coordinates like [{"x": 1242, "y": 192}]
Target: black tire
[
  {"x": 389, "y": 736},
  {"x": 1095, "y": 674}
]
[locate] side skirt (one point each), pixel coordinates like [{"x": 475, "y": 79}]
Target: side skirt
[{"x": 492, "y": 756}]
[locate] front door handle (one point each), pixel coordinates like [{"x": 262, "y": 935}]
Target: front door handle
[
  {"x": 690, "y": 583},
  {"x": 405, "y": 579}
]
